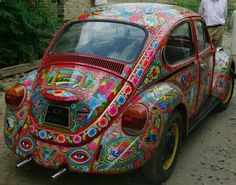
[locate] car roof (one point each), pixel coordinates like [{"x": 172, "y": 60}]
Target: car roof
[{"x": 143, "y": 14}]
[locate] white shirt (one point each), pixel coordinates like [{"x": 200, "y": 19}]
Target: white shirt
[{"x": 213, "y": 11}]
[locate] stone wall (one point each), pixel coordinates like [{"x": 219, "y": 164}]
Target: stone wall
[{"x": 73, "y": 8}]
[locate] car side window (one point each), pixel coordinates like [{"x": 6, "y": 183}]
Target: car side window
[
  {"x": 180, "y": 45},
  {"x": 202, "y": 38}
]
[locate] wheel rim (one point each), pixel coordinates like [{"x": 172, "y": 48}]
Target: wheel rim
[
  {"x": 170, "y": 148},
  {"x": 228, "y": 92}
]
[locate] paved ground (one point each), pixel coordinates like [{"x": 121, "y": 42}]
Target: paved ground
[{"x": 208, "y": 157}]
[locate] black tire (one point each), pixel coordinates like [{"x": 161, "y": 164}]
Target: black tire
[
  {"x": 224, "y": 104},
  {"x": 154, "y": 170}
]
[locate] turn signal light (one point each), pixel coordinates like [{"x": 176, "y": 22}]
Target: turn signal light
[
  {"x": 134, "y": 119},
  {"x": 15, "y": 96}
]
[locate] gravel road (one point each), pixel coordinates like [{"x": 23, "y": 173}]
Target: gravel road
[{"x": 208, "y": 157}]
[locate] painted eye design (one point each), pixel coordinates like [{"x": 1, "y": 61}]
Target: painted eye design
[
  {"x": 26, "y": 144},
  {"x": 80, "y": 156}
]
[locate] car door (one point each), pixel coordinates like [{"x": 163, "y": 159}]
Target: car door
[
  {"x": 205, "y": 60},
  {"x": 180, "y": 57}
]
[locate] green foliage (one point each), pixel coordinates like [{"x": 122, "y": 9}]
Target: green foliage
[
  {"x": 2, "y": 88},
  {"x": 25, "y": 30},
  {"x": 190, "y": 4}
]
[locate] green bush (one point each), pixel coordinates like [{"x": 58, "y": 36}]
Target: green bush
[{"x": 25, "y": 30}]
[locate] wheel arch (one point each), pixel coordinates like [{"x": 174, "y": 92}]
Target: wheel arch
[{"x": 167, "y": 98}]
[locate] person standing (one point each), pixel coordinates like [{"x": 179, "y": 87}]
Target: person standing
[{"x": 214, "y": 12}]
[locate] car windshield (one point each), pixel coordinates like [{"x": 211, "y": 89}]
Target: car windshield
[{"x": 102, "y": 39}]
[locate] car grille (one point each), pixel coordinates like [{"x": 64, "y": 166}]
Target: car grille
[{"x": 92, "y": 61}]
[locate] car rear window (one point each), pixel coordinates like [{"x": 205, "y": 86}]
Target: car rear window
[{"x": 111, "y": 40}]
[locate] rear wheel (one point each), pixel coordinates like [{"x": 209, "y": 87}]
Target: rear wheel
[
  {"x": 229, "y": 92},
  {"x": 162, "y": 164}
]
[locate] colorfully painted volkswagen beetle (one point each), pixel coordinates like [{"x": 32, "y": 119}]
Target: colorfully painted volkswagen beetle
[{"x": 118, "y": 87}]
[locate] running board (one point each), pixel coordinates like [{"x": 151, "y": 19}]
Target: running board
[{"x": 211, "y": 103}]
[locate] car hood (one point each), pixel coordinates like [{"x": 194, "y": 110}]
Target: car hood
[{"x": 72, "y": 97}]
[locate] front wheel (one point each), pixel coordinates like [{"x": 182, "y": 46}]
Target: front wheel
[
  {"x": 162, "y": 164},
  {"x": 228, "y": 95}
]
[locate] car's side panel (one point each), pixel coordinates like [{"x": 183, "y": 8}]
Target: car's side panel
[
  {"x": 183, "y": 73},
  {"x": 187, "y": 81},
  {"x": 221, "y": 75}
]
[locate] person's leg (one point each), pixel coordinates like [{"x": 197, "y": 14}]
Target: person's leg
[
  {"x": 219, "y": 35},
  {"x": 216, "y": 35},
  {"x": 212, "y": 32}
]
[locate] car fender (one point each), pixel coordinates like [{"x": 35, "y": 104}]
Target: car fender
[
  {"x": 221, "y": 74},
  {"x": 165, "y": 96},
  {"x": 18, "y": 117},
  {"x": 120, "y": 152}
]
